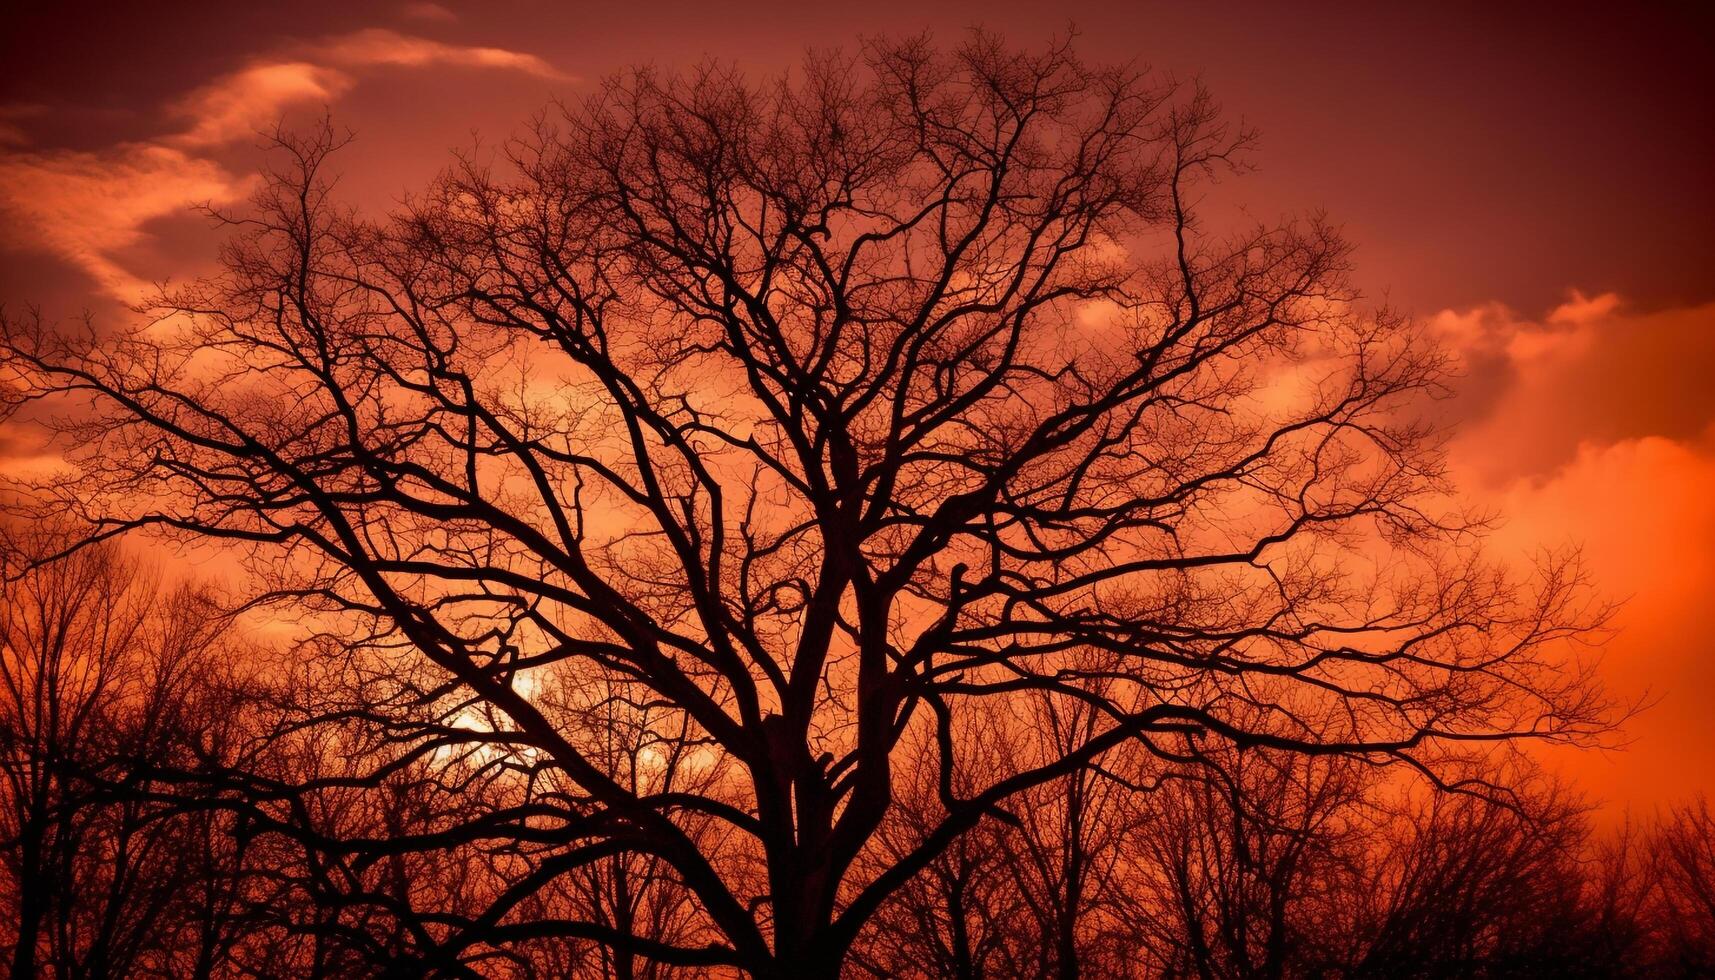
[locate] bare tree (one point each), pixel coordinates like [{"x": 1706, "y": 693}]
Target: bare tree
[
  {"x": 105, "y": 676},
  {"x": 1273, "y": 864},
  {"x": 1060, "y": 857},
  {"x": 964, "y": 914},
  {"x": 1243, "y": 866},
  {"x": 1461, "y": 886},
  {"x": 818, "y": 414},
  {"x": 1683, "y": 869}
]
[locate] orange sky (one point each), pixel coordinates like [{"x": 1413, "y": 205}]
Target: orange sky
[{"x": 1535, "y": 187}]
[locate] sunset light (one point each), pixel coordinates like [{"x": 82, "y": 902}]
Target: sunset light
[{"x": 883, "y": 490}]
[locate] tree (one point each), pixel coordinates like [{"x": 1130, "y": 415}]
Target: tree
[
  {"x": 1243, "y": 867},
  {"x": 815, "y": 415},
  {"x": 1683, "y": 873},
  {"x": 1032, "y": 889},
  {"x": 1461, "y": 886},
  {"x": 959, "y": 916},
  {"x": 106, "y": 676}
]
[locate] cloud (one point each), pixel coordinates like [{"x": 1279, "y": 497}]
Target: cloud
[
  {"x": 1640, "y": 507},
  {"x": 1581, "y": 309},
  {"x": 1643, "y": 513},
  {"x": 1591, "y": 370},
  {"x": 90, "y": 207},
  {"x": 86, "y": 207},
  {"x": 1592, "y": 426},
  {"x": 423, "y": 10},
  {"x": 234, "y": 106},
  {"x": 12, "y": 118},
  {"x": 377, "y": 46}
]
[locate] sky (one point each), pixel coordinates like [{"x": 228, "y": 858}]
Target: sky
[{"x": 1533, "y": 185}]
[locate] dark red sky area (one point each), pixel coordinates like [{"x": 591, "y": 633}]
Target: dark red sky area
[
  {"x": 1475, "y": 151},
  {"x": 1488, "y": 160}
]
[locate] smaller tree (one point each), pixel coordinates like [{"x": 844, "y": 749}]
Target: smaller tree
[
  {"x": 1241, "y": 867},
  {"x": 106, "y": 679},
  {"x": 1460, "y": 885},
  {"x": 1683, "y": 852}
]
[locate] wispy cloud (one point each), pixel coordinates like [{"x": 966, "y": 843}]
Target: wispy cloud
[
  {"x": 377, "y": 46},
  {"x": 234, "y": 106},
  {"x": 89, "y": 207},
  {"x": 12, "y": 131},
  {"x": 424, "y": 10}
]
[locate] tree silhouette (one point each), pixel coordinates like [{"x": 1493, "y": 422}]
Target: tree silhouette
[
  {"x": 1682, "y": 888},
  {"x": 105, "y": 677},
  {"x": 801, "y": 421}
]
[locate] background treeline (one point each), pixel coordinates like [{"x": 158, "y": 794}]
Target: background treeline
[{"x": 161, "y": 815}]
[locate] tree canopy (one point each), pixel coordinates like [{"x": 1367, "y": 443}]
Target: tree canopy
[{"x": 737, "y": 492}]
